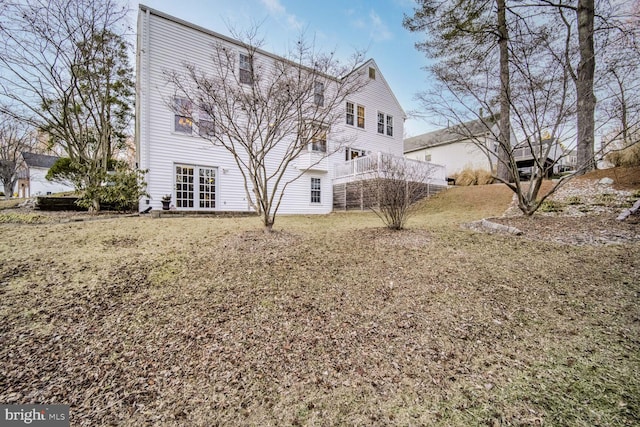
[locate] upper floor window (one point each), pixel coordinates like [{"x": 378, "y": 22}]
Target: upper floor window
[
  {"x": 360, "y": 116},
  {"x": 182, "y": 115},
  {"x": 246, "y": 66},
  {"x": 319, "y": 139},
  {"x": 318, "y": 94},
  {"x": 372, "y": 73},
  {"x": 350, "y": 113},
  {"x": 385, "y": 121},
  {"x": 206, "y": 124}
]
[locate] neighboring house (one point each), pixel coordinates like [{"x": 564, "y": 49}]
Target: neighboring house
[
  {"x": 549, "y": 153},
  {"x": 456, "y": 147},
  {"x": 32, "y": 179},
  {"x": 201, "y": 176}
]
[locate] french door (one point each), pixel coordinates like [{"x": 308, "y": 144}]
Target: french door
[{"x": 195, "y": 187}]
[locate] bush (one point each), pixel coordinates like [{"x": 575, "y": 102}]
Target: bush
[
  {"x": 468, "y": 176},
  {"x": 628, "y": 157}
]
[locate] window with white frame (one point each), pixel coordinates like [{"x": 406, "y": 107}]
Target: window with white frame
[
  {"x": 316, "y": 190},
  {"x": 246, "y": 75},
  {"x": 385, "y": 124},
  {"x": 350, "y": 113},
  {"x": 318, "y": 94},
  {"x": 318, "y": 138},
  {"x": 361, "y": 116},
  {"x": 206, "y": 124},
  {"x": 353, "y": 153},
  {"x": 182, "y": 115}
]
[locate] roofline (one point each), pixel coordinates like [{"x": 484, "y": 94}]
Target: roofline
[{"x": 228, "y": 39}]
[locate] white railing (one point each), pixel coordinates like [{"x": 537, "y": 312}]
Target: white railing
[{"x": 367, "y": 166}]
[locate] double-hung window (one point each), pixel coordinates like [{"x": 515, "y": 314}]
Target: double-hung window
[
  {"x": 355, "y": 114},
  {"x": 319, "y": 139},
  {"x": 182, "y": 115},
  {"x": 350, "y": 113},
  {"x": 246, "y": 75},
  {"x": 361, "y": 116},
  {"x": 318, "y": 94},
  {"x": 316, "y": 190},
  {"x": 206, "y": 124},
  {"x": 385, "y": 124}
]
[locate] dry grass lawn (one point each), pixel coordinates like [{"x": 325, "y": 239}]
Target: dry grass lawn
[{"x": 331, "y": 321}]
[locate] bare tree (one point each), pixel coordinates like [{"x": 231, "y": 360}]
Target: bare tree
[
  {"x": 474, "y": 84},
  {"x": 14, "y": 139},
  {"x": 65, "y": 72},
  {"x": 397, "y": 185},
  {"x": 268, "y": 111}
]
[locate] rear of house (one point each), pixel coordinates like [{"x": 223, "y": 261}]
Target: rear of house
[{"x": 202, "y": 177}]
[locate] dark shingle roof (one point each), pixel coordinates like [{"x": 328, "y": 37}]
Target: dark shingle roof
[
  {"x": 34, "y": 160},
  {"x": 451, "y": 134}
]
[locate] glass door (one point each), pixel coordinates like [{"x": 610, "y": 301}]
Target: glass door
[
  {"x": 185, "y": 196},
  {"x": 207, "y": 183}
]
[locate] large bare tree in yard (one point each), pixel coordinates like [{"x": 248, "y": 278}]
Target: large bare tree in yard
[
  {"x": 65, "y": 71},
  {"x": 14, "y": 139},
  {"x": 268, "y": 111},
  {"x": 494, "y": 67},
  {"x": 519, "y": 63}
]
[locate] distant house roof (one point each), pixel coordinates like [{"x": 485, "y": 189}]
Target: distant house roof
[
  {"x": 34, "y": 160},
  {"x": 451, "y": 134}
]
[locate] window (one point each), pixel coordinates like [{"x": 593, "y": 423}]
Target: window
[
  {"x": 350, "y": 113},
  {"x": 381, "y": 123},
  {"x": 360, "y": 116},
  {"x": 315, "y": 190},
  {"x": 206, "y": 125},
  {"x": 372, "y": 73},
  {"x": 246, "y": 75},
  {"x": 319, "y": 139},
  {"x": 182, "y": 115},
  {"x": 427, "y": 157},
  {"x": 318, "y": 94},
  {"x": 385, "y": 119},
  {"x": 352, "y": 153}
]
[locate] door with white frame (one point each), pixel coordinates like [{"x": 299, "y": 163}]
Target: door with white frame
[{"x": 195, "y": 187}]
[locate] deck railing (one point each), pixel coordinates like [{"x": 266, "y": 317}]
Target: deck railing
[{"x": 369, "y": 166}]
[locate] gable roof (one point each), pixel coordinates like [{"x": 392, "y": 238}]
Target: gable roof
[
  {"x": 34, "y": 160},
  {"x": 461, "y": 132},
  {"x": 240, "y": 44}
]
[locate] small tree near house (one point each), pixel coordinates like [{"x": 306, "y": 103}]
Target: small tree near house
[
  {"x": 398, "y": 184},
  {"x": 267, "y": 111}
]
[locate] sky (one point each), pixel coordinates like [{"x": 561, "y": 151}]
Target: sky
[{"x": 335, "y": 25}]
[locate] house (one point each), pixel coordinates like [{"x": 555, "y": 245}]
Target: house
[
  {"x": 200, "y": 176},
  {"x": 32, "y": 179},
  {"x": 548, "y": 153},
  {"x": 467, "y": 145}
]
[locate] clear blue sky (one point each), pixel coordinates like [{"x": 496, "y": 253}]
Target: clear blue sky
[{"x": 374, "y": 25}]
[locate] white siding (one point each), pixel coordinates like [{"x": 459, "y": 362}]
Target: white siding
[
  {"x": 41, "y": 186},
  {"x": 455, "y": 156},
  {"x": 165, "y": 43}
]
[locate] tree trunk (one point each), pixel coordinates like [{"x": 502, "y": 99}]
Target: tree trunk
[
  {"x": 8, "y": 190},
  {"x": 584, "y": 86},
  {"x": 504, "y": 149}
]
